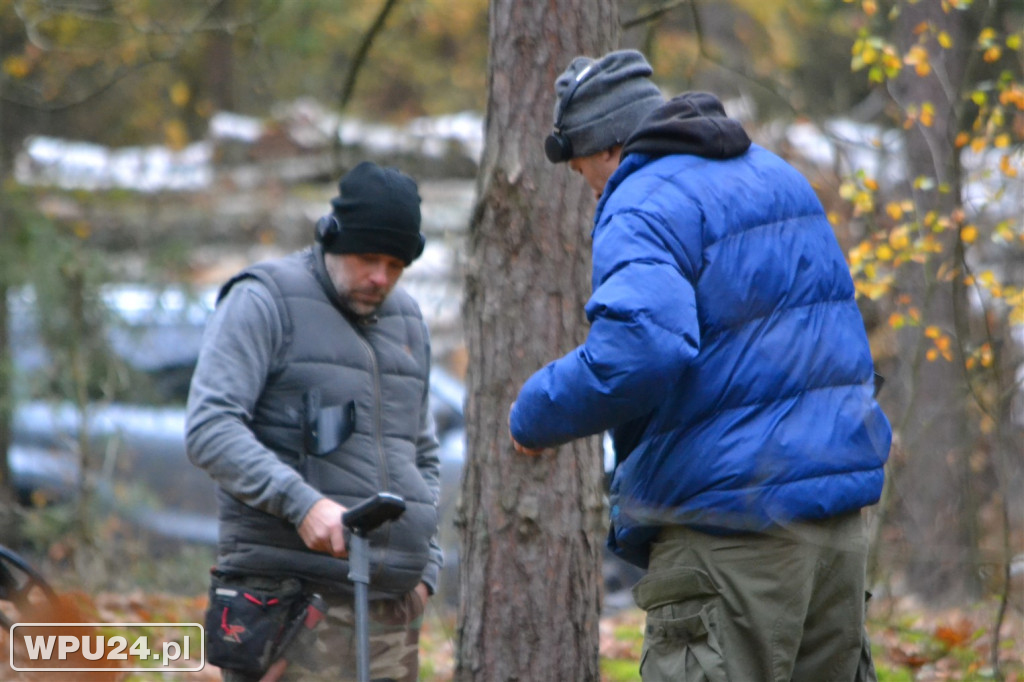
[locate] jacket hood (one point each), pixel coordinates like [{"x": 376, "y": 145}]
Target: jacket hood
[{"x": 692, "y": 123}]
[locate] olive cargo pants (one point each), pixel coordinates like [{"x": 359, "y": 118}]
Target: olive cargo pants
[{"x": 787, "y": 605}]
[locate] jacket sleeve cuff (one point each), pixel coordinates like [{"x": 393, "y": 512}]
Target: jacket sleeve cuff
[
  {"x": 430, "y": 577},
  {"x": 299, "y": 498}
]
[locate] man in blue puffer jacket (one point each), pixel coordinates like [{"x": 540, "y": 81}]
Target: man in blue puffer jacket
[{"x": 728, "y": 358}]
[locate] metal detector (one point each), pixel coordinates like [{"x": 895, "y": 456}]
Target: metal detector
[{"x": 360, "y": 520}]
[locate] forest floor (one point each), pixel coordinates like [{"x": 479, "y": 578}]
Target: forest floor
[{"x": 911, "y": 643}]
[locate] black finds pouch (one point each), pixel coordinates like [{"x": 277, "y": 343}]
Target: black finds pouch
[
  {"x": 324, "y": 429},
  {"x": 247, "y": 619}
]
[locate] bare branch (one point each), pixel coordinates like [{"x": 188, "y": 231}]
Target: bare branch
[
  {"x": 364, "y": 48},
  {"x": 654, "y": 14},
  {"x": 202, "y": 23}
]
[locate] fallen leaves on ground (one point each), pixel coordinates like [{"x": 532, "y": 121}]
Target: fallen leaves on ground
[{"x": 910, "y": 642}]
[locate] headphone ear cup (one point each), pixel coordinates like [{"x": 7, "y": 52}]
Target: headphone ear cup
[
  {"x": 557, "y": 147},
  {"x": 327, "y": 230}
]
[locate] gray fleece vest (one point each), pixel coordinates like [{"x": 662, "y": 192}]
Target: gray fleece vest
[{"x": 364, "y": 385}]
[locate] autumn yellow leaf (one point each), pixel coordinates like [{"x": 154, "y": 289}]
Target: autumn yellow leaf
[
  {"x": 1006, "y": 168},
  {"x": 993, "y": 54},
  {"x": 16, "y": 66},
  {"x": 82, "y": 229},
  {"x": 927, "y": 111},
  {"x": 1016, "y": 316},
  {"x": 917, "y": 57},
  {"x": 962, "y": 138},
  {"x": 1005, "y": 232},
  {"x": 944, "y": 40},
  {"x": 969, "y": 234},
  {"x": 180, "y": 94},
  {"x": 175, "y": 134},
  {"x": 932, "y": 332},
  {"x": 986, "y": 355},
  {"x": 899, "y": 238}
]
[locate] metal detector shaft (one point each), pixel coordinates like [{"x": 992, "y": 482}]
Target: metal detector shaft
[
  {"x": 361, "y": 520},
  {"x": 359, "y": 574}
]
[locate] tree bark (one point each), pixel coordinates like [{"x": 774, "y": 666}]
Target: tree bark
[
  {"x": 8, "y": 516},
  {"x": 531, "y": 528},
  {"x": 934, "y": 483}
]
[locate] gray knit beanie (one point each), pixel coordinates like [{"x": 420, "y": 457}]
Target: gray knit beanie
[{"x": 608, "y": 103}]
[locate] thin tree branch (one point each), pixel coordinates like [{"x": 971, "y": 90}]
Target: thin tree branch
[
  {"x": 200, "y": 24},
  {"x": 654, "y": 14},
  {"x": 360, "y": 55}
]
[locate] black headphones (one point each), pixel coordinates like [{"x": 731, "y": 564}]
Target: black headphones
[
  {"x": 327, "y": 230},
  {"x": 557, "y": 146}
]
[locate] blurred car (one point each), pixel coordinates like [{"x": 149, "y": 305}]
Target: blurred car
[{"x": 144, "y": 474}]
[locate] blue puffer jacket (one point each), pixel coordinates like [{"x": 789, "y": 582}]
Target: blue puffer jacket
[{"x": 726, "y": 351}]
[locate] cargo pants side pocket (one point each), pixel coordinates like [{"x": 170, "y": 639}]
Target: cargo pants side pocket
[{"x": 681, "y": 640}]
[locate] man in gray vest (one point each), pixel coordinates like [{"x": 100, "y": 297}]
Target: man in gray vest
[{"x": 309, "y": 396}]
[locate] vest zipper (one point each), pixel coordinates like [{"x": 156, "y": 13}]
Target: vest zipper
[
  {"x": 378, "y": 421},
  {"x": 379, "y": 437}
]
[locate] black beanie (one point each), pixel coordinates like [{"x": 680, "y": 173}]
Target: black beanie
[{"x": 378, "y": 211}]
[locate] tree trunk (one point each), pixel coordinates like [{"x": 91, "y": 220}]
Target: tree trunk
[
  {"x": 937, "y": 511},
  {"x": 531, "y": 528},
  {"x": 8, "y": 515}
]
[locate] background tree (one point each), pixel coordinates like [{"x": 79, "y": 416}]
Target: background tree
[
  {"x": 531, "y": 527},
  {"x": 941, "y": 255}
]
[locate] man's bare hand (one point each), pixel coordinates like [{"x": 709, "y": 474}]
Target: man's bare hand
[
  {"x": 519, "y": 447},
  {"x": 424, "y": 593},
  {"x": 321, "y": 529}
]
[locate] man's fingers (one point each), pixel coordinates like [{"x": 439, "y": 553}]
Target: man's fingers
[
  {"x": 522, "y": 449},
  {"x": 337, "y": 542}
]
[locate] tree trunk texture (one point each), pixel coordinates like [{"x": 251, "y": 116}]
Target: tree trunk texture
[
  {"x": 531, "y": 527},
  {"x": 8, "y": 517},
  {"x": 932, "y": 479}
]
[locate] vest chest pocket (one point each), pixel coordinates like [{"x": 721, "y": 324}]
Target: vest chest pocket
[{"x": 324, "y": 429}]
